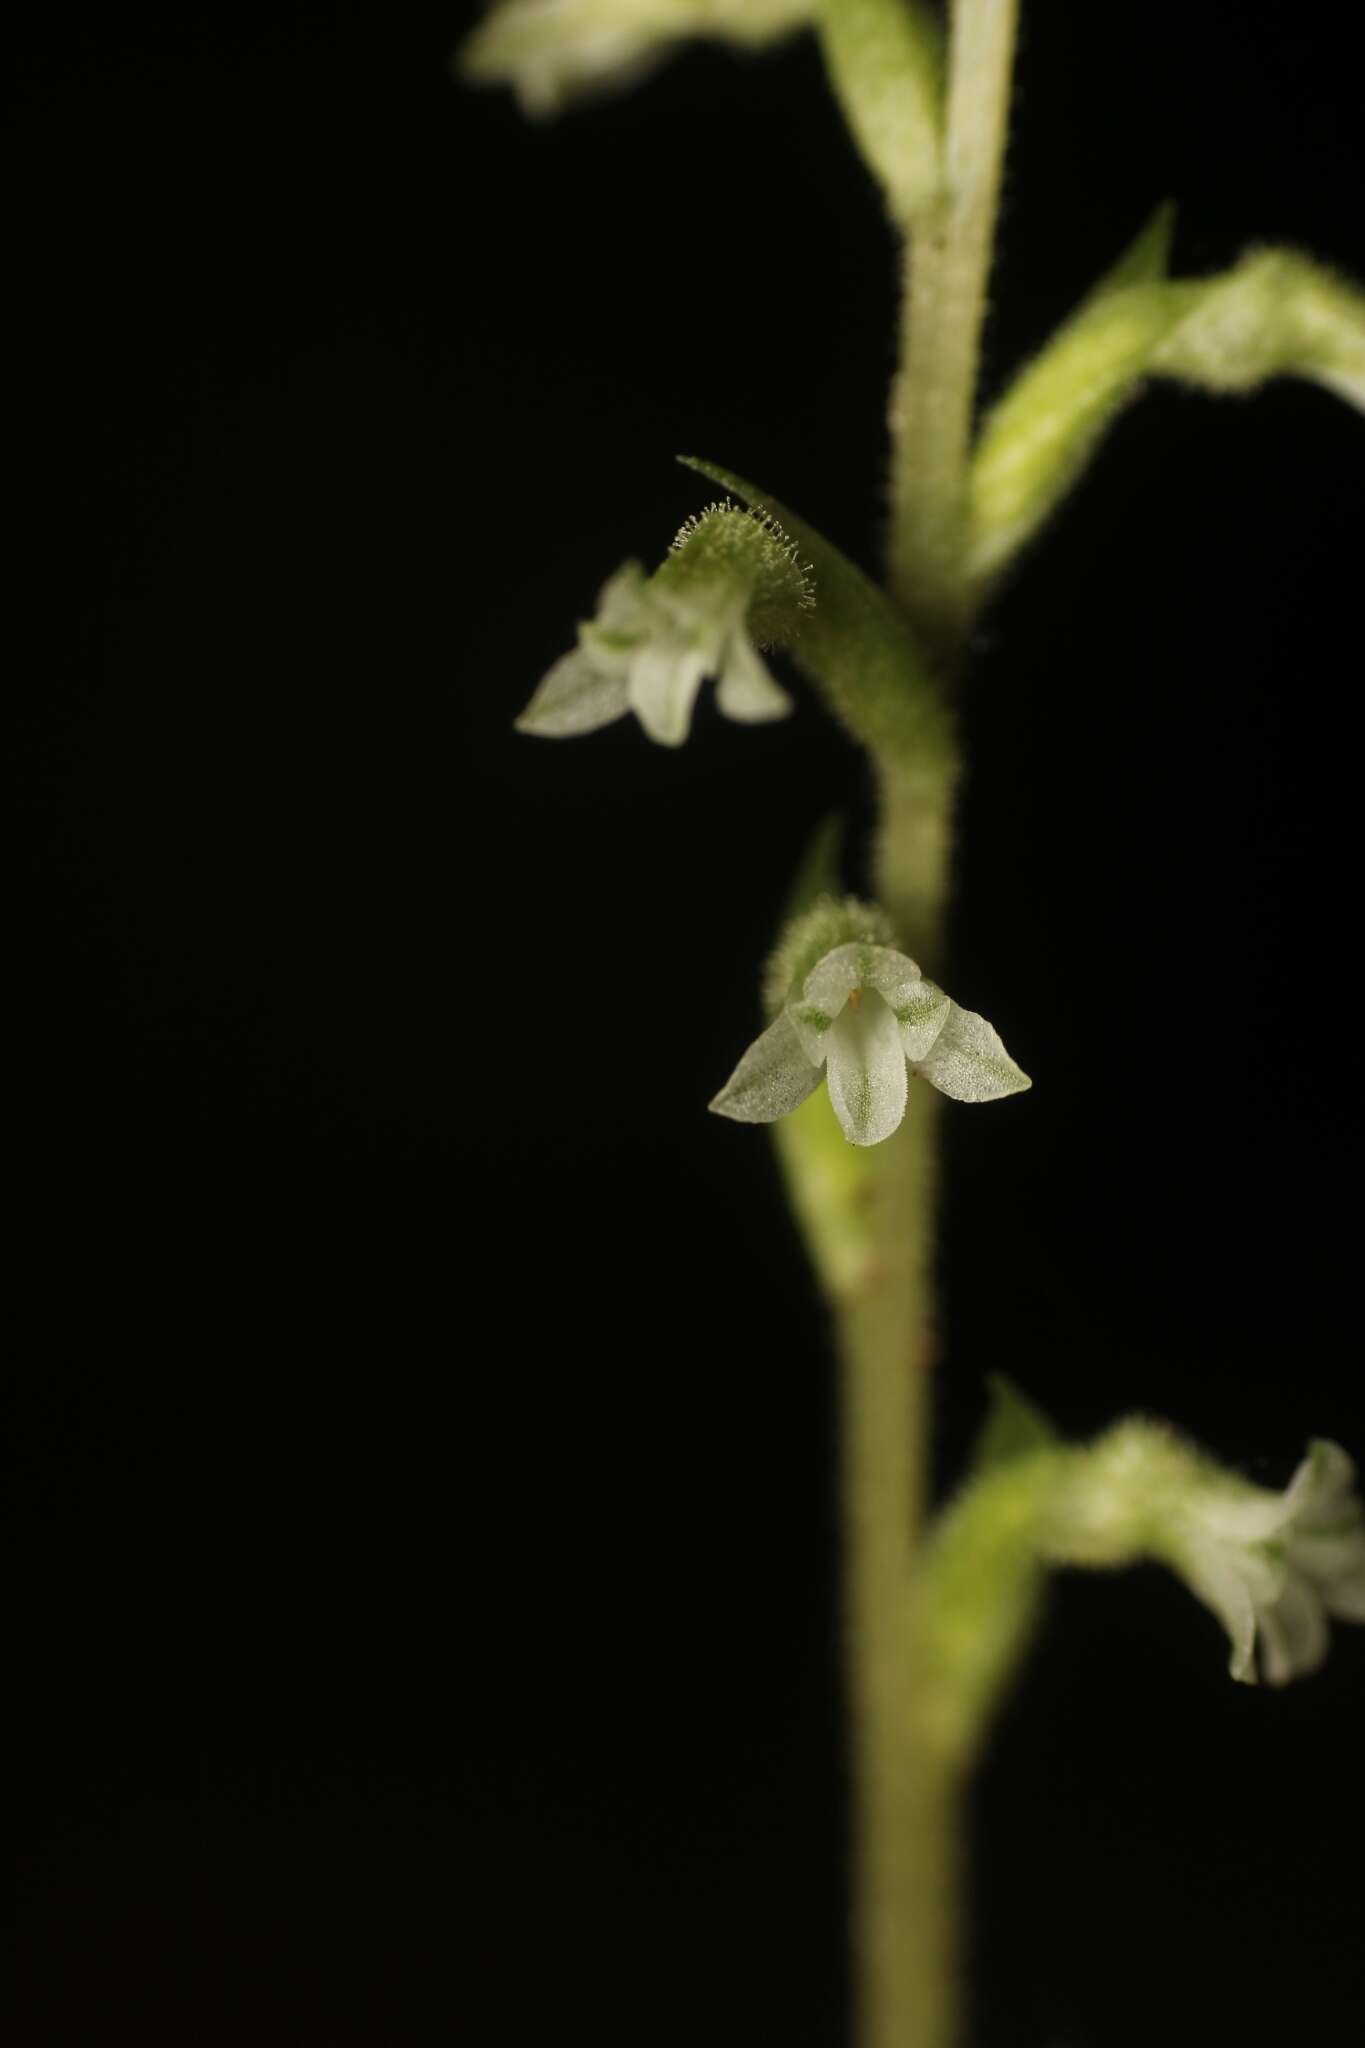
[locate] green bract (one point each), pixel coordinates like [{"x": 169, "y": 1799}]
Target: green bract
[
  {"x": 858, "y": 648},
  {"x": 733, "y": 579},
  {"x": 552, "y": 52},
  {"x": 885, "y": 60}
]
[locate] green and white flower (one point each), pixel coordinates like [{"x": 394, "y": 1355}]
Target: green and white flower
[
  {"x": 1275, "y": 1566},
  {"x": 865, "y": 1018},
  {"x": 731, "y": 582},
  {"x": 553, "y": 52}
]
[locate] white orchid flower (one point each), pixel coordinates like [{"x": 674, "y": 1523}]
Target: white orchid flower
[
  {"x": 1275, "y": 1566},
  {"x": 552, "y": 52},
  {"x": 648, "y": 650},
  {"x": 731, "y": 582},
  {"x": 866, "y": 1018}
]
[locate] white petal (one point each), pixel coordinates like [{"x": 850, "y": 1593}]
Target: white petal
[
  {"x": 920, "y": 1008},
  {"x": 574, "y": 697},
  {"x": 1322, "y": 1485},
  {"x": 773, "y": 1077},
  {"x": 620, "y": 623},
  {"x": 1213, "y": 1577},
  {"x": 1344, "y": 1598},
  {"x": 553, "y": 52},
  {"x": 865, "y": 1062},
  {"x": 665, "y": 676},
  {"x": 1335, "y": 1564},
  {"x": 968, "y": 1061},
  {"x": 888, "y": 970},
  {"x": 921, "y": 1011},
  {"x": 832, "y": 980},
  {"x": 1294, "y": 1633},
  {"x": 747, "y": 691}
]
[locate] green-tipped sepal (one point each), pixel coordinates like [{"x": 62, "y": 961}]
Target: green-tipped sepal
[{"x": 733, "y": 582}]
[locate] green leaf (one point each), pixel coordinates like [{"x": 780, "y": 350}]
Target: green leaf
[{"x": 858, "y": 648}]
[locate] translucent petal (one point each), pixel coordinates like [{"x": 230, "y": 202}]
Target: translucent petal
[
  {"x": 620, "y": 622},
  {"x": 921, "y": 1011},
  {"x": 888, "y": 970},
  {"x": 553, "y": 52},
  {"x": 832, "y": 980},
  {"x": 1344, "y": 1597},
  {"x": 665, "y": 676},
  {"x": 773, "y": 1077},
  {"x": 968, "y": 1061},
  {"x": 574, "y": 697},
  {"x": 865, "y": 1063},
  {"x": 812, "y": 1026},
  {"x": 1321, "y": 1486},
  {"x": 1215, "y": 1580},
  {"x": 1294, "y": 1633},
  {"x": 747, "y": 691}
]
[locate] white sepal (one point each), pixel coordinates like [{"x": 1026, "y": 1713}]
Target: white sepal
[
  {"x": 574, "y": 697},
  {"x": 746, "y": 691},
  {"x": 968, "y": 1061},
  {"x": 773, "y": 1078}
]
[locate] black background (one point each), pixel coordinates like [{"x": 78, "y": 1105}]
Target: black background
[{"x": 419, "y": 1584}]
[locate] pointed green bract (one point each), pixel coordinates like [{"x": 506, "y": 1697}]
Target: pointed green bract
[
  {"x": 1015, "y": 1427},
  {"x": 1276, "y": 313},
  {"x": 885, "y": 63},
  {"x": 1038, "y": 438},
  {"x": 858, "y": 648}
]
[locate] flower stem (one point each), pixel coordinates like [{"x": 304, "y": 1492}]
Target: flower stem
[
  {"x": 904, "y": 1866},
  {"x": 947, "y": 265},
  {"x": 907, "y": 1797}
]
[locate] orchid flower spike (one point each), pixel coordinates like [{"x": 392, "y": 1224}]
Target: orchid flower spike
[
  {"x": 733, "y": 582},
  {"x": 863, "y": 1015},
  {"x": 1275, "y": 1566}
]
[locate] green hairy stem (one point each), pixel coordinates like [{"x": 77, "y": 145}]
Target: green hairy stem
[{"x": 947, "y": 266}]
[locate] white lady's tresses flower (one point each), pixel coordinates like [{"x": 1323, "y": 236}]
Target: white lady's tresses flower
[
  {"x": 552, "y": 52},
  {"x": 1275, "y": 1566},
  {"x": 865, "y": 1018},
  {"x": 733, "y": 580}
]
